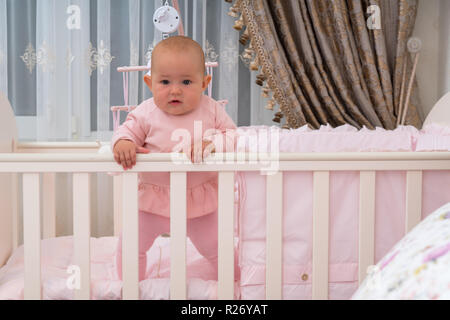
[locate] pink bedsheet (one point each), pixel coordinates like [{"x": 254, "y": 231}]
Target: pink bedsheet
[
  {"x": 344, "y": 202},
  {"x": 56, "y": 256}
]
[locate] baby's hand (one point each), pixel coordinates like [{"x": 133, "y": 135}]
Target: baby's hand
[
  {"x": 125, "y": 153},
  {"x": 201, "y": 150}
]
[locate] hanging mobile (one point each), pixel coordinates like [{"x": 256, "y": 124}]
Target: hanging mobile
[{"x": 166, "y": 19}]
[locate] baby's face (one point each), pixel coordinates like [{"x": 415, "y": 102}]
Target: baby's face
[{"x": 177, "y": 81}]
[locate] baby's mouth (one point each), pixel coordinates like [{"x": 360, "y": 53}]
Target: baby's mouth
[{"x": 175, "y": 101}]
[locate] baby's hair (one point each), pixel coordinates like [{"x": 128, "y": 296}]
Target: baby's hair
[{"x": 180, "y": 44}]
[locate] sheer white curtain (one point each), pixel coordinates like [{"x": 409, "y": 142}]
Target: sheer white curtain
[
  {"x": 62, "y": 88},
  {"x": 58, "y": 61}
]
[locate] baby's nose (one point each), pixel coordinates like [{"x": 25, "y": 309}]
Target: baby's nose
[{"x": 176, "y": 89}]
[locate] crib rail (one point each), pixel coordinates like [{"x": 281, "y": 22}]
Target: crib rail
[{"x": 81, "y": 165}]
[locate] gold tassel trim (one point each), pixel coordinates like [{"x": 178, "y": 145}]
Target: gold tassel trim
[
  {"x": 270, "y": 104},
  {"x": 239, "y": 23},
  {"x": 260, "y": 78},
  {"x": 244, "y": 38},
  {"x": 250, "y": 53},
  {"x": 254, "y": 65},
  {"x": 234, "y": 11}
]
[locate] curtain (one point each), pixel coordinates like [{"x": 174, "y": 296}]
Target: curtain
[{"x": 325, "y": 63}]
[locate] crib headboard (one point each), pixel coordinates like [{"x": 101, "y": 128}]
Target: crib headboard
[
  {"x": 8, "y": 136},
  {"x": 440, "y": 113}
]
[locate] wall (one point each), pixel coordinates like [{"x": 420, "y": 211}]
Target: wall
[
  {"x": 433, "y": 70},
  {"x": 444, "y": 41}
]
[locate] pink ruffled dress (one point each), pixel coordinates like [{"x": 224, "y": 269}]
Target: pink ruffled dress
[{"x": 150, "y": 127}]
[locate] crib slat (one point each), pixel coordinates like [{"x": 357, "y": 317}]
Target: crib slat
[
  {"x": 48, "y": 204},
  {"x": 226, "y": 236},
  {"x": 117, "y": 189},
  {"x": 274, "y": 238},
  {"x": 31, "y": 236},
  {"x": 320, "y": 234},
  {"x": 366, "y": 222},
  {"x": 130, "y": 237},
  {"x": 413, "y": 199},
  {"x": 178, "y": 236},
  {"x": 82, "y": 233},
  {"x": 15, "y": 209}
]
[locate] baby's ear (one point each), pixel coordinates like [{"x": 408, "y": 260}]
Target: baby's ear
[
  {"x": 206, "y": 81},
  {"x": 148, "y": 81}
]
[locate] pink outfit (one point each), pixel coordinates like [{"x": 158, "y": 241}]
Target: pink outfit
[
  {"x": 202, "y": 231},
  {"x": 150, "y": 127}
]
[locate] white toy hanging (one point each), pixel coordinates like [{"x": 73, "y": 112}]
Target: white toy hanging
[{"x": 166, "y": 19}]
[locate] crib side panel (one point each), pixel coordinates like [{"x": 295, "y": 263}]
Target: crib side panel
[{"x": 8, "y": 196}]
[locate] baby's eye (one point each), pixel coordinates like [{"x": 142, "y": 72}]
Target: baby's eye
[
  {"x": 186, "y": 82},
  {"x": 165, "y": 81}
]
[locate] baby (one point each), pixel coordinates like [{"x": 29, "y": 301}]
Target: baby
[{"x": 177, "y": 81}]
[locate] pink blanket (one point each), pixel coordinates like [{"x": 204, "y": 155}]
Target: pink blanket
[{"x": 56, "y": 257}]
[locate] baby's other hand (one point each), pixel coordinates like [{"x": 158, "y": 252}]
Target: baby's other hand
[
  {"x": 201, "y": 150},
  {"x": 125, "y": 153}
]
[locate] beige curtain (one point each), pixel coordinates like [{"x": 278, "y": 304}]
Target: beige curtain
[{"x": 323, "y": 64}]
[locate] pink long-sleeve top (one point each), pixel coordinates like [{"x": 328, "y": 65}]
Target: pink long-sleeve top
[{"x": 150, "y": 127}]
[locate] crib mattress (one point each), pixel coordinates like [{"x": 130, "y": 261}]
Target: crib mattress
[
  {"x": 56, "y": 257},
  {"x": 344, "y": 207}
]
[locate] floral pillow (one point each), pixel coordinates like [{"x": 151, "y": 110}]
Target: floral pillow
[{"x": 417, "y": 267}]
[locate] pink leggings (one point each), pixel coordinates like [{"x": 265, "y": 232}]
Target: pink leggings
[{"x": 202, "y": 231}]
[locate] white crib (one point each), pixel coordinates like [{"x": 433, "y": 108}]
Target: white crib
[{"x": 80, "y": 159}]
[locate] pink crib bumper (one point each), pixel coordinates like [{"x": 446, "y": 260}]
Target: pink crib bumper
[{"x": 390, "y": 207}]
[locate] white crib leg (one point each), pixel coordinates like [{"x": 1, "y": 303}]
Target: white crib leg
[
  {"x": 321, "y": 196},
  {"x": 31, "y": 236},
  {"x": 178, "y": 236},
  {"x": 81, "y": 233},
  {"x": 226, "y": 236},
  {"x": 274, "y": 238},
  {"x": 130, "y": 237}
]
